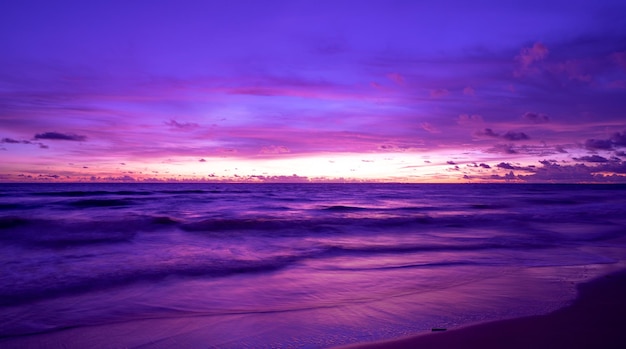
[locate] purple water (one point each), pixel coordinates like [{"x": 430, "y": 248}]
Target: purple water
[{"x": 291, "y": 265}]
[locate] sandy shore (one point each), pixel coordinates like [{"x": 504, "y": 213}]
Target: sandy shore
[{"x": 596, "y": 319}]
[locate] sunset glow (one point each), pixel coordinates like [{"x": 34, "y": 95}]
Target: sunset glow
[{"x": 246, "y": 91}]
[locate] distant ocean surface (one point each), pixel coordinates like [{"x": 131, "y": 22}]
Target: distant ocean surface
[{"x": 292, "y": 265}]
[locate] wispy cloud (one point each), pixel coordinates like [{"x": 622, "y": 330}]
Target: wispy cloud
[
  {"x": 57, "y": 136},
  {"x": 528, "y": 56}
]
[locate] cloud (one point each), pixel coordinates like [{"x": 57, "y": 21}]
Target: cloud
[
  {"x": 528, "y": 56},
  {"x": 602, "y": 172},
  {"x": 592, "y": 158},
  {"x": 612, "y": 167},
  {"x": 483, "y": 165},
  {"x": 502, "y": 148},
  {"x": 617, "y": 140},
  {"x": 536, "y": 118},
  {"x": 397, "y": 78},
  {"x": 202, "y": 160},
  {"x": 468, "y": 91},
  {"x": 553, "y": 172},
  {"x": 507, "y": 177},
  {"x": 487, "y": 132},
  {"x": 509, "y": 136},
  {"x": 14, "y": 141},
  {"x": 438, "y": 93},
  {"x": 515, "y": 136},
  {"x": 273, "y": 149},
  {"x": 598, "y": 144},
  {"x": 620, "y": 59},
  {"x": 574, "y": 70},
  {"x": 428, "y": 127},
  {"x": 61, "y": 136},
  {"x": 505, "y": 165},
  {"x": 181, "y": 125},
  {"x": 617, "y": 84},
  {"x": 466, "y": 119}
]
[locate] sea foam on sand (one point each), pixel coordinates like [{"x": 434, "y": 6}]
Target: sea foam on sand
[{"x": 596, "y": 319}]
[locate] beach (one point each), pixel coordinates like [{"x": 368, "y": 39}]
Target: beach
[
  {"x": 596, "y": 319},
  {"x": 310, "y": 266}
]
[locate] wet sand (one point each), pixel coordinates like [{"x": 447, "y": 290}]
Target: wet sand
[{"x": 596, "y": 319}]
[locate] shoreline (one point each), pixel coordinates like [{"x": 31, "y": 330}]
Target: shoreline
[{"x": 595, "y": 319}]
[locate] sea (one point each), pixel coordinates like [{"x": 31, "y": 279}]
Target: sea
[{"x": 305, "y": 265}]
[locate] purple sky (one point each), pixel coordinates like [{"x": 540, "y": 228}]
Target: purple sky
[{"x": 420, "y": 91}]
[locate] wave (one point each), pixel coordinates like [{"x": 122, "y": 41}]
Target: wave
[
  {"x": 51, "y": 286},
  {"x": 342, "y": 250},
  {"x": 90, "y": 193},
  {"x": 103, "y": 276},
  {"x": 225, "y": 224},
  {"x": 92, "y": 203},
  {"x": 14, "y": 206},
  {"x": 64, "y": 233},
  {"x": 122, "y": 225},
  {"x": 342, "y": 208}
]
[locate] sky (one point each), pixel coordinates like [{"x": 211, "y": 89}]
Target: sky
[{"x": 272, "y": 90}]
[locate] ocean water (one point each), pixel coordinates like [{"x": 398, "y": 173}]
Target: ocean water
[{"x": 291, "y": 265}]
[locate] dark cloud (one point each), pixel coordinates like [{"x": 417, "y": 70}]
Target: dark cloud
[
  {"x": 592, "y": 158},
  {"x": 515, "y": 136},
  {"x": 487, "y": 132},
  {"x": 10, "y": 141},
  {"x": 620, "y": 153},
  {"x": 507, "y": 177},
  {"x": 505, "y": 165},
  {"x": 617, "y": 140},
  {"x": 510, "y": 176},
  {"x": 503, "y": 148},
  {"x": 554, "y": 172},
  {"x": 509, "y": 136},
  {"x": 601, "y": 172},
  {"x": 202, "y": 160},
  {"x": 598, "y": 144},
  {"x": 465, "y": 119},
  {"x": 536, "y": 118},
  {"x": 615, "y": 167},
  {"x": 547, "y": 162},
  {"x": 182, "y": 125},
  {"x": 483, "y": 165},
  {"x": 14, "y": 141},
  {"x": 560, "y": 149},
  {"x": 450, "y": 162},
  {"x": 61, "y": 136}
]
